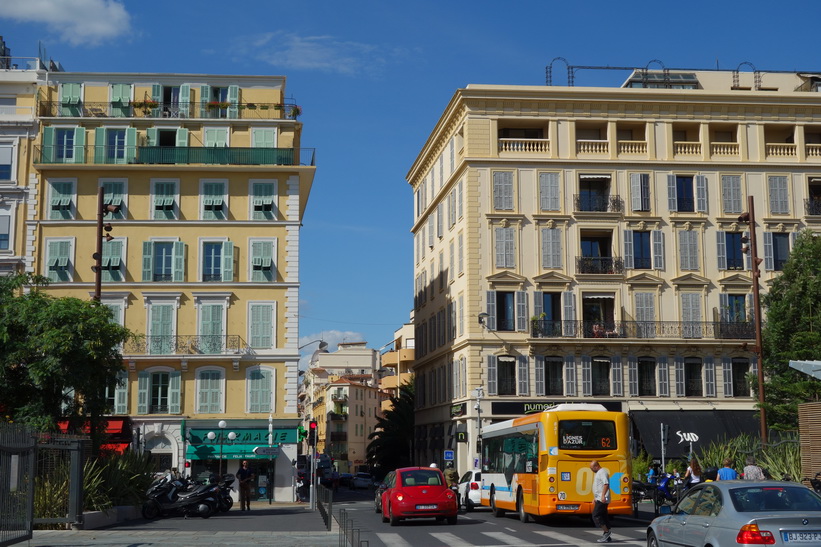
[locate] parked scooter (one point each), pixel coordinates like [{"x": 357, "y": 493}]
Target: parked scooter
[
  {"x": 224, "y": 500},
  {"x": 668, "y": 489},
  {"x": 170, "y": 495}
]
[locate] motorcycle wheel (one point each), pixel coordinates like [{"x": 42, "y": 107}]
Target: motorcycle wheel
[
  {"x": 206, "y": 514},
  {"x": 151, "y": 510},
  {"x": 226, "y": 504}
]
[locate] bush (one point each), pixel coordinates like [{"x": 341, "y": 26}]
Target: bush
[{"x": 641, "y": 465}]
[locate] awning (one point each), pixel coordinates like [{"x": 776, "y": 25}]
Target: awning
[
  {"x": 593, "y": 176},
  {"x": 599, "y": 295},
  {"x": 811, "y": 368},
  {"x": 115, "y": 447},
  {"x": 700, "y": 426},
  {"x": 229, "y": 452},
  {"x": 112, "y": 426}
]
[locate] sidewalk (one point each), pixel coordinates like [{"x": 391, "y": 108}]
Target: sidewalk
[{"x": 277, "y": 525}]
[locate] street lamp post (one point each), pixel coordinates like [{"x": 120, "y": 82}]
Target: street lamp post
[
  {"x": 231, "y": 437},
  {"x": 479, "y": 393}
]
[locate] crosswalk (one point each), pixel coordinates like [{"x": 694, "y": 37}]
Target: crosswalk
[{"x": 633, "y": 538}]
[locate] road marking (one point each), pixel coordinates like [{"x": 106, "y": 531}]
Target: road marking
[
  {"x": 451, "y": 540},
  {"x": 558, "y": 536},
  {"x": 503, "y": 538},
  {"x": 395, "y": 540}
]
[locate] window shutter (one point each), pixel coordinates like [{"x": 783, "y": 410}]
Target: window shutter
[
  {"x": 635, "y": 192},
  {"x": 491, "y": 375},
  {"x": 521, "y": 311},
  {"x": 701, "y": 194},
  {"x": 688, "y": 240},
  {"x": 185, "y": 101},
  {"x": 148, "y": 261},
  {"x": 490, "y": 321},
  {"x": 503, "y": 190},
  {"x": 769, "y": 259},
  {"x": 618, "y": 376},
  {"x": 551, "y": 248},
  {"x": 227, "y": 262},
  {"x": 570, "y": 376},
  {"x": 783, "y": 197},
  {"x": 645, "y": 192},
  {"x": 569, "y": 319},
  {"x": 524, "y": 375},
  {"x": 680, "y": 389},
  {"x": 724, "y": 305},
  {"x": 100, "y": 145},
  {"x": 233, "y": 100},
  {"x": 748, "y": 262},
  {"x": 691, "y": 315},
  {"x": 174, "y": 392},
  {"x": 204, "y": 393},
  {"x": 178, "y": 274},
  {"x": 721, "y": 247},
  {"x": 205, "y": 97},
  {"x": 709, "y": 377},
  {"x": 549, "y": 191},
  {"x": 156, "y": 93},
  {"x": 750, "y": 307},
  {"x": 113, "y": 252},
  {"x": 540, "y": 376},
  {"x": 181, "y": 138},
  {"x": 727, "y": 374},
  {"x": 663, "y": 377},
  {"x": 130, "y": 145},
  {"x": 461, "y": 254},
  {"x": 48, "y": 145},
  {"x": 538, "y": 304},
  {"x": 658, "y": 249},
  {"x": 628, "y": 249},
  {"x": 632, "y": 376},
  {"x": 121, "y": 393},
  {"x": 79, "y": 145},
  {"x": 672, "y": 194},
  {"x": 143, "y": 381},
  {"x": 731, "y": 193},
  {"x": 459, "y": 202},
  {"x": 587, "y": 376},
  {"x": 261, "y": 326}
]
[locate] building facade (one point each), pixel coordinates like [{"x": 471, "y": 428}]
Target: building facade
[
  {"x": 584, "y": 244},
  {"x": 201, "y": 259}
]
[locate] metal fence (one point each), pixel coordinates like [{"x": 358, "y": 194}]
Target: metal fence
[
  {"x": 18, "y": 447},
  {"x": 58, "y": 482},
  {"x": 348, "y": 533},
  {"x": 325, "y": 504}
]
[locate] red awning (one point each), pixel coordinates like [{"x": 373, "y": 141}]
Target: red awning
[
  {"x": 115, "y": 447},
  {"x": 114, "y": 425}
]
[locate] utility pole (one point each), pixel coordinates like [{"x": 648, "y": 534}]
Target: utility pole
[{"x": 102, "y": 211}]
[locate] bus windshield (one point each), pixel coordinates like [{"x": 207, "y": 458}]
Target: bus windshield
[{"x": 587, "y": 435}]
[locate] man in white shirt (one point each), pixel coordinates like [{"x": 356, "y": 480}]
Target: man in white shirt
[{"x": 601, "y": 497}]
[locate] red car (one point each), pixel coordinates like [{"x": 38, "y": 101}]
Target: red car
[{"x": 417, "y": 492}]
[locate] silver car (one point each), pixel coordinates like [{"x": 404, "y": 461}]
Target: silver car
[{"x": 725, "y": 513}]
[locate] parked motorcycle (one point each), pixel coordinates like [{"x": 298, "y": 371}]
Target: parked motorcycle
[
  {"x": 225, "y": 501},
  {"x": 668, "y": 489},
  {"x": 170, "y": 495}
]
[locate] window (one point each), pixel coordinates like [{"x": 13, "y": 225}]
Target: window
[
  {"x": 779, "y": 197},
  {"x": 645, "y": 314},
  {"x": 164, "y": 200},
  {"x": 688, "y": 249},
  {"x": 691, "y": 315},
  {"x": 260, "y": 390},
  {"x": 505, "y": 247},
  {"x": 646, "y": 377},
  {"x": 164, "y": 261},
  {"x": 547, "y": 309},
  {"x": 210, "y": 391},
  {"x": 218, "y": 261},
  {"x": 693, "y": 385},
  {"x": 112, "y": 260},
  {"x": 263, "y": 200},
  {"x": 740, "y": 370},
  {"x": 70, "y": 98},
  {"x": 506, "y": 376},
  {"x": 551, "y": 248},
  {"x": 261, "y": 324},
  {"x": 212, "y": 328},
  {"x": 114, "y": 194},
  {"x": 216, "y": 137},
  {"x": 680, "y": 196},
  {"x": 776, "y": 250},
  {"x": 731, "y": 194},
  {"x": 461, "y": 254},
  {"x": 214, "y": 200},
  {"x": 5, "y": 232},
  {"x": 58, "y": 260},
  {"x": 507, "y": 310},
  {"x": 728, "y": 245},
  {"x": 503, "y": 190},
  {"x": 7, "y": 153},
  {"x": 549, "y": 376},
  {"x": 640, "y": 191},
  {"x": 115, "y": 145},
  {"x": 637, "y": 250},
  {"x": 733, "y": 307},
  {"x": 211, "y": 95},
  {"x": 262, "y": 260},
  {"x": 549, "y": 196},
  {"x": 594, "y": 194},
  {"x": 62, "y": 200},
  {"x": 264, "y": 137},
  {"x": 117, "y": 394},
  {"x": 597, "y": 256},
  {"x": 600, "y": 376},
  {"x": 65, "y": 143},
  {"x": 161, "y": 329},
  {"x": 120, "y": 100},
  {"x": 158, "y": 392}
]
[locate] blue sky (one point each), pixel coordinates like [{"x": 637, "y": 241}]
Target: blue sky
[{"x": 373, "y": 77}]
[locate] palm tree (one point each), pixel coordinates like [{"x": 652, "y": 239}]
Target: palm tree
[{"x": 391, "y": 443}]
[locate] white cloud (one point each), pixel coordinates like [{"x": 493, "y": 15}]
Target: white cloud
[{"x": 78, "y": 22}]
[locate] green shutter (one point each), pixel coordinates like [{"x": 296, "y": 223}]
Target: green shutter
[
  {"x": 161, "y": 328},
  {"x": 185, "y": 100},
  {"x": 151, "y": 136},
  {"x": 113, "y": 193},
  {"x": 213, "y": 194},
  {"x": 263, "y": 201},
  {"x": 174, "y": 389},
  {"x": 179, "y": 262},
  {"x": 47, "y": 153},
  {"x": 233, "y": 99},
  {"x": 79, "y": 145},
  {"x": 264, "y": 137},
  {"x": 143, "y": 385},
  {"x": 112, "y": 259},
  {"x": 259, "y": 391},
  {"x": 61, "y": 198},
  {"x": 261, "y": 326},
  {"x": 182, "y": 138},
  {"x": 156, "y": 94},
  {"x": 121, "y": 393},
  {"x": 227, "y": 262},
  {"x": 205, "y": 97},
  {"x": 262, "y": 257},
  {"x": 211, "y": 329},
  {"x": 131, "y": 145},
  {"x": 100, "y": 145},
  {"x": 148, "y": 261}
]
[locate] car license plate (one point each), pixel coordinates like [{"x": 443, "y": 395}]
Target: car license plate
[
  {"x": 422, "y": 507},
  {"x": 801, "y": 537},
  {"x": 567, "y": 507}
]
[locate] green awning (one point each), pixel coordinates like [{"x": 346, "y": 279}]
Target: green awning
[{"x": 229, "y": 452}]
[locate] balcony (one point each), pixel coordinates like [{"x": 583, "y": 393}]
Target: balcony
[
  {"x": 812, "y": 207},
  {"x": 230, "y": 344},
  {"x": 334, "y": 417},
  {"x": 687, "y": 148},
  {"x": 524, "y": 146},
  {"x": 171, "y": 155},
  {"x": 339, "y": 436},
  {"x": 780, "y": 150},
  {"x": 632, "y": 148},
  {"x": 645, "y": 330},
  {"x": 600, "y": 203},
  {"x": 339, "y": 397},
  {"x": 597, "y": 147},
  {"x": 159, "y": 110},
  {"x": 813, "y": 150},
  {"x": 599, "y": 265},
  {"x": 13, "y": 113},
  {"x": 725, "y": 149}
]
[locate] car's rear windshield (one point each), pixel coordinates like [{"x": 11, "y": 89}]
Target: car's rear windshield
[
  {"x": 421, "y": 477},
  {"x": 755, "y": 499}
]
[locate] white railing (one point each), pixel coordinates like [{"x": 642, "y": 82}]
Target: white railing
[
  {"x": 592, "y": 147},
  {"x": 632, "y": 147},
  {"x": 780, "y": 149},
  {"x": 687, "y": 148},
  {"x": 724, "y": 148},
  {"x": 531, "y": 146},
  {"x": 814, "y": 150},
  {"x": 16, "y": 111}
]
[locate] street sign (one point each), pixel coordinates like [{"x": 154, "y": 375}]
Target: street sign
[
  {"x": 449, "y": 456},
  {"x": 266, "y": 450}
]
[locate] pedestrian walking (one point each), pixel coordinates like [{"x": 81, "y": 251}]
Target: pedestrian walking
[
  {"x": 245, "y": 476},
  {"x": 727, "y": 473},
  {"x": 752, "y": 472},
  {"x": 601, "y": 497},
  {"x": 693, "y": 474}
]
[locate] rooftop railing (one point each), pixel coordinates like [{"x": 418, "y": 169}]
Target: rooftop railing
[{"x": 154, "y": 109}]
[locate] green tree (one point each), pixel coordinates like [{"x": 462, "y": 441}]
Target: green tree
[
  {"x": 792, "y": 332},
  {"x": 391, "y": 443},
  {"x": 57, "y": 355}
]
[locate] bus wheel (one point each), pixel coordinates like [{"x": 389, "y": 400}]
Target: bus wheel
[
  {"x": 496, "y": 511},
  {"x": 520, "y": 506}
]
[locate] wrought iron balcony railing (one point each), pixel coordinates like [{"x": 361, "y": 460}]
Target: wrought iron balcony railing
[
  {"x": 167, "y": 155},
  {"x": 599, "y": 265},
  {"x": 337, "y": 417},
  {"x": 720, "y": 330},
  {"x": 598, "y": 203},
  {"x": 230, "y": 344},
  {"x": 148, "y": 108},
  {"x": 339, "y": 436},
  {"x": 812, "y": 207}
]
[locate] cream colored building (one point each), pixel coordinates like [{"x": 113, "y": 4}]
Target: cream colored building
[
  {"x": 203, "y": 257},
  {"x": 397, "y": 363},
  {"x": 583, "y": 244}
]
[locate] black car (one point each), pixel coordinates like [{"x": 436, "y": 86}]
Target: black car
[{"x": 380, "y": 487}]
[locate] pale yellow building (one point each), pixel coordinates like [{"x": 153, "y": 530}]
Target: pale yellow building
[
  {"x": 584, "y": 244},
  {"x": 397, "y": 363},
  {"x": 202, "y": 260}
]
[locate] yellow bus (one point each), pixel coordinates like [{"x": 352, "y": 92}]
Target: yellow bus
[{"x": 539, "y": 464}]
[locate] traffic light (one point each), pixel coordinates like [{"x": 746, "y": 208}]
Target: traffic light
[
  {"x": 312, "y": 433},
  {"x": 302, "y": 434}
]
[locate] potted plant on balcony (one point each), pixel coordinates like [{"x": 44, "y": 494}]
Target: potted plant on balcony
[
  {"x": 295, "y": 111},
  {"x": 218, "y": 105}
]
